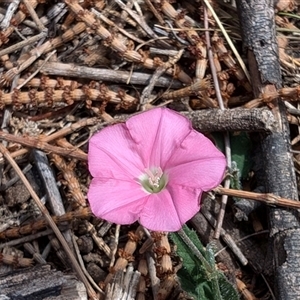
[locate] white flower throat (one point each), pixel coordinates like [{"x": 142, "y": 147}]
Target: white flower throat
[{"x": 153, "y": 180}]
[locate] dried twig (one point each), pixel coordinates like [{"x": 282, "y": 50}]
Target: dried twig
[
  {"x": 13, "y": 6},
  {"x": 18, "y": 18},
  {"x": 269, "y": 199},
  {"x": 66, "y": 96},
  {"x": 24, "y": 43},
  {"x": 25, "y": 239},
  {"x": 157, "y": 74},
  {"x": 126, "y": 254},
  {"x": 34, "y": 15},
  {"x": 226, "y": 237},
  {"x": 74, "y": 239},
  {"x": 36, "y": 71},
  {"x": 63, "y": 132},
  {"x": 234, "y": 50},
  {"x": 118, "y": 46},
  {"x": 97, "y": 239},
  {"x": 16, "y": 232},
  {"x": 67, "y": 170},
  {"x": 36, "y": 255},
  {"x": 226, "y": 134},
  {"x": 115, "y": 246},
  {"x": 117, "y": 76},
  {"x": 40, "y": 144}
]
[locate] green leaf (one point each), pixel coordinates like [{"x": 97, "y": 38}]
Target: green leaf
[
  {"x": 227, "y": 291},
  {"x": 198, "y": 276},
  {"x": 241, "y": 148}
]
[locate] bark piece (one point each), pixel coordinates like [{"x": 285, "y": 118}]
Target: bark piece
[
  {"x": 237, "y": 119},
  {"x": 259, "y": 36},
  {"x": 41, "y": 282},
  {"x": 257, "y": 21},
  {"x": 233, "y": 120}
]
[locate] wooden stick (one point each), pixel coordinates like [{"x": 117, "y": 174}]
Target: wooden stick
[
  {"x": 116, "y": 76},
  {"x": 40, "y": 144},
  {"x": 24, "y": 43},
  {"x": 61, "y": 133},
  {"x": 269, "y": 199},
  {"x": 19, "y": 231},
  {"x": 34, "y": 16}
]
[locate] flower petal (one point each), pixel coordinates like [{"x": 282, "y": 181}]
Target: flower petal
[
  {"x": 170, "y": 209},
  {"x": 157, "y": 133},
  {"x": 112, "y": 154},
  {"x": 197, "y": 163},
  {"x": 116, "y": 201}
]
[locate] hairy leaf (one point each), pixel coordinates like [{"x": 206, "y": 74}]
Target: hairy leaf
[{"x": 198, "y": 276}]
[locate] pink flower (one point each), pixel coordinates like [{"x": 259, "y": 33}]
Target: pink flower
[{"x": 152, "y": 169}]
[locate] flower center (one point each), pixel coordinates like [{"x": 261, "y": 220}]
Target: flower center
[{"x": 154, "y": 180}]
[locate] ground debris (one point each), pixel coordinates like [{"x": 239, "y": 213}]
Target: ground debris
[{"x": 70, "y": 68}]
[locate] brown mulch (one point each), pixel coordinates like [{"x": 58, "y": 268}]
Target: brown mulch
[{"x": 69, "y": 68}]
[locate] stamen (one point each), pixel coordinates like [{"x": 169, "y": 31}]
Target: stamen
[
  {"x": 154, "y": 176},
  {"x": 153, "y": 180}
]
